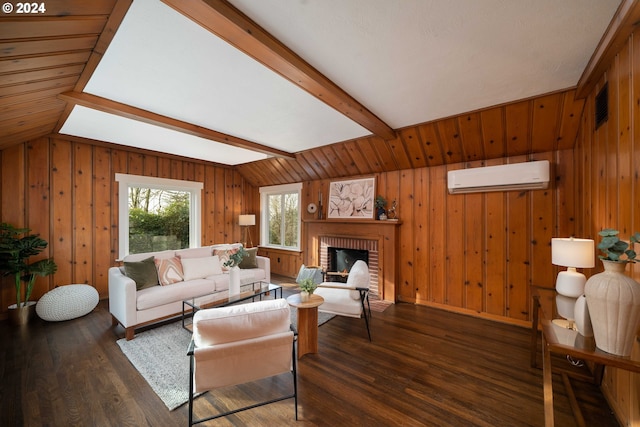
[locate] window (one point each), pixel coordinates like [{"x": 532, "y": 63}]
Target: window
[
  {"x": 280, "y": 216},
  {"x": 157, "y": 214}
]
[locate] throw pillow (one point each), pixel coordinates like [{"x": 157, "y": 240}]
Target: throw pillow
[
  {"x": 169, "y": 270},
  {"x": 223, "y": 254},
  {"x": 198, "y": 268},
  {"x": 249, "y": 260},
  {"x": 143, "y": 272}
]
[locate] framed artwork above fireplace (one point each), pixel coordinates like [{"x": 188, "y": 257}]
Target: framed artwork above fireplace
[{"x": 352, "y": 199}]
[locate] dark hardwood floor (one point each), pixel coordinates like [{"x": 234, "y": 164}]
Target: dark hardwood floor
[{"x": 425, "y": 367}]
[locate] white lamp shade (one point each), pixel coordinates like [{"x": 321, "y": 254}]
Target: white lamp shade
[
  {"x": 247, "y": 220},
  {"x": 570, "y": 252}
]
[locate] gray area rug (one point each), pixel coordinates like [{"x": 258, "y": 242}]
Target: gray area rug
[{"x": 160, "y": 355}]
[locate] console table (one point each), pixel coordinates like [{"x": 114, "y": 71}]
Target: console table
[{"x": 566, "y": 342}]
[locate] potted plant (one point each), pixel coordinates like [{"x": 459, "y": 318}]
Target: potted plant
[
  {"x": 613, "y": 298},
  {"x": 307, "y": 286},
  {"x": 16, "y": 248},
  {"x": 232, "y": 263},
  {"x": 381, "y": 204}
]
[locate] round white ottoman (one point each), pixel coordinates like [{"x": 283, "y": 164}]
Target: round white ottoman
[{"x": 67, "y": 302}]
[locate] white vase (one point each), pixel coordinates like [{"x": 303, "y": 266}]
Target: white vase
[
  {"x": 304, "y": 296},
  {"x": 613, "y": 300},
  {"x": 234, "y": 280},
  {"x": 582, "y": 318}
]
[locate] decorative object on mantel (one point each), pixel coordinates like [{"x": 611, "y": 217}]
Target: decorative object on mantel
[
  {"x": 572, "y": 253},
  {"x": 352, "y": 199},
  {"x": 16, "y": 247},
  {"x": 613, "y": 298},
  {"x": 392, "y": 213},
  {"x": 320, "y": 205},
  {"x": 307, "y": 287},
  {"x": 234, "y": 271},
  {"x": 381, "y": 204}
]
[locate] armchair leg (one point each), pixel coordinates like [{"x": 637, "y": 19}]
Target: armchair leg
[{"x": 364, "y": 294}]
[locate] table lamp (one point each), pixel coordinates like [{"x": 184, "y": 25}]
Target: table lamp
[
  {"x": 246, "y": 221},
  {"x": 572, "y": 253}
]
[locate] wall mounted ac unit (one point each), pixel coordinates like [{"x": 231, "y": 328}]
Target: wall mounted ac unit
[{"x": 516, "y": 176}]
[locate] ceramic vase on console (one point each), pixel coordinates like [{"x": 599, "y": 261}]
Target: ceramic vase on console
[
  {"x": 613, "y": 300},
  {"x": 234, "y": 280}
]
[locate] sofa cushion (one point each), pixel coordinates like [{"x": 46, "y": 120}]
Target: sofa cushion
[
  {"x": 249, "y": 260},
  {"x": 160, "y": 295},
  {"x": 202, "y": 252},
  {"x": 224, "y": 252},
  {"x": 169, "y": 270},
  {"x": 197, "y": 268},
  {"x": 240, "y": 322},
  {"x": 143, "y": 272}
]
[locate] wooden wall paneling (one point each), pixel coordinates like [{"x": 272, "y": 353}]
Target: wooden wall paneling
[
  {"x": 199, "y": 176},
  {"x": 474, "y": 253},
  {"x": 19, "y": 124},
  {"x": 454, "y": 247},
  {"x": 177, "y": 171},
  {"x": 238, "y": 207},
  {"x": 496, "y": 257},
  {"x": 62, "y": 210},
  {"x": 336, "y": 162},
  {"x": 118, "y": 165},
  {"x": 471, "y": 137},
  {"x": 15, "y": 47},
  {"x": 570, "y": 120},
  {"x": 410, "y": 139},
  {"x": 83, "y": 214},
  {"x": 50, "y": 61},
  {"x": 493, "y": 132},
  {"x": 437, "y": 234},
  {"x": 517, "y": 124},
  {"x": 564, "y": 181},
  {"x": 31, "y": 108},
  {"x": 189, "y": 171},
  {"x": 450, "y": 138},
  {"x": 288, "y": 166},
  {"x": 15, "y": 84},
  {"x": 37, "y": 204},
  {"x": 150, "y": 165},
  {"x": 545, "y": 123},
  {"x": 399, "y": 152},
  {"x": 624, "y": 153},
  {"x": 219, "y": 206},
  {"x": 421, "y": 232},
  {"x": 343, "y": 154},
  {"x": 135, "y": 164},
  {"x": 613, "y": 130},
  {"x": 164, "y": 167},
  {"x": 208, "y": 206},
  {"x": 13, "y": 203},
  {"x": 402, "y": 192},
  {"x": 543, "y": 218},
  {"x": 103, "y": 191},
  {"x": 30, "y": 27},
  {"x": 431, "y": 144},
  {"x": 518, "y": 251}
]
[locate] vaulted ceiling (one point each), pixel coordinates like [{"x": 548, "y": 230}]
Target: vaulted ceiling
[{"x": 292, "y": 91}]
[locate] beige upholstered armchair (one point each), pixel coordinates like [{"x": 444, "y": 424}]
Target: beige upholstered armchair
[
  {"x": 348, "y": 299},
  {"x": 240, "y": 344}
]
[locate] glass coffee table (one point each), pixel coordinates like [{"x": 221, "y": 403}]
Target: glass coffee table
[{"x": 249, "y": 291}]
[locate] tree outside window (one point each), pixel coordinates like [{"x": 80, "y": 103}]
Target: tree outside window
[{"x": 281, "y": 216}]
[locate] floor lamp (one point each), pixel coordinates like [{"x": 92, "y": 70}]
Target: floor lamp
[{"x": 246, "y": 221}]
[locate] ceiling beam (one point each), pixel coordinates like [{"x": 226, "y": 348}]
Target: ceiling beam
[
  {"x": 127, "y": 111},
  {"x": 224, "y": 20}
]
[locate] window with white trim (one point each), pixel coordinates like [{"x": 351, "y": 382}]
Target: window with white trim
[
  {"x": 157, "y": 214},
  {"x": 280, "y": 216}
]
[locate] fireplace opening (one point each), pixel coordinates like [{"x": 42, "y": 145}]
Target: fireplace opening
[{"x": 341, "y": 260}]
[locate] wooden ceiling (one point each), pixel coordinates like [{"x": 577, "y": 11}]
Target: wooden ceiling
[
  {"x": 541, "y": 124},
  {"x": 42, "y": 57},
  {"x": 45, "y": 54}
]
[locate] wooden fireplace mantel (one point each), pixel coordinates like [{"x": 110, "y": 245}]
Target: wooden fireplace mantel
[{"x": 385, "y": 232}]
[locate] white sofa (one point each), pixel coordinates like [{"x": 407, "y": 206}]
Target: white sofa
[{"x": 133, "y": 308}]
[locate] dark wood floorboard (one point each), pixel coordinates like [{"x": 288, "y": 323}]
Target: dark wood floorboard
[{"x": 425, "y": 367}]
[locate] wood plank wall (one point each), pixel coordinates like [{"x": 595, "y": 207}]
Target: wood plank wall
[
  {"x": 66, "y": 191},
  {"x": 474, "y": 253},
  {"x": 607, "y": 170}
]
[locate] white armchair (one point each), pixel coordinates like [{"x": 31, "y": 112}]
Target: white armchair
[
  {"x": 240, "y": 344},
  {"x": 348, "y": 299}
]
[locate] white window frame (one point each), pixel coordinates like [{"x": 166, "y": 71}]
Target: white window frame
[
  {"x": 264, "y": 213},
  {"x": 125, "y": 181}
]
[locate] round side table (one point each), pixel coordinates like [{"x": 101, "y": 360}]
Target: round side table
[{"x": 307, "y": 322}]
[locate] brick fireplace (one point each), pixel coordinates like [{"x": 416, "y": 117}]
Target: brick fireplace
[{"x": 377, "y": 237}]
